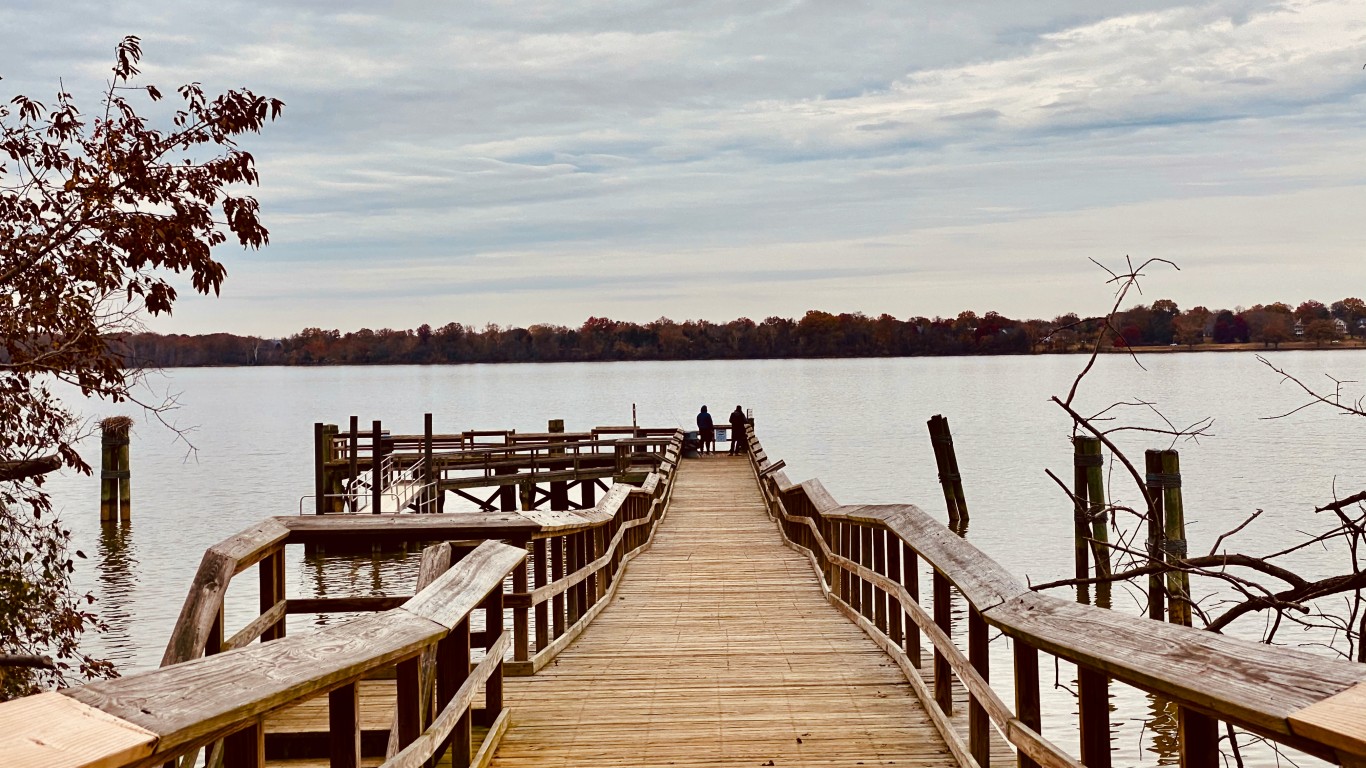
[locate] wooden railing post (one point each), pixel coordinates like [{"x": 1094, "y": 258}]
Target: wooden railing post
[
  {"x": 319, "y": 471},
  {"x": 245, "y": 748},
  {"x": 343, "y": 723},
  {"x": 353, "y": 461},
  {"x": 272, "y": 577},
  {"x": 540, "y": 577},
  {"x": 1027, "y": 705},
  {"x": 866, "y": 560},
  {"x": 840, "y": 586},
  {"x": 1093, "y": 703},
  {"x": 376, "y": 466},
  {"x": 493, "y": 631},
  {"x": 943, "y": 617},
  {"x": 895, "y": 623},
  {"x": 557, "y": 551},
  {"x": 431, "y": 494},
  {"x": 409, "y": 694},
  {"x": 520, "y": 631},
  {"x": 452, "y": 669},
  {"x": 910, "y": 579},
  {"x": 979, "y": 725},
  {"x": 1199, "y": 737},
  {"x": 855, "y": 544},
  {"x": 880, "y": 567}
]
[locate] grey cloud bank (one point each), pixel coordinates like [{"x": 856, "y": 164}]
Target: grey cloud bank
[{"x": 544, "y": 161}]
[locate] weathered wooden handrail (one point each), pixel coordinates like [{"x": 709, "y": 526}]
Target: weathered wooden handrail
[
  {"x": 867, "y": 558},
  {"x": 149, "y": 718}
]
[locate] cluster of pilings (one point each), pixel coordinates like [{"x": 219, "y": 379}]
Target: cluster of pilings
[{"x": 115, "y": 486}]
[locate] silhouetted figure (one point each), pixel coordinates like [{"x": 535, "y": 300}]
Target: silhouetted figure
[
  {"x": 737, "y": 430},
  {"x": 708, "y": 431}
]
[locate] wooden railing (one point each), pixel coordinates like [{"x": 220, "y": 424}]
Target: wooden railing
[
  {"x": 868, "y": 558},
  {"x": 574, "y": 561},
  {"x": 222, "y": 701}
]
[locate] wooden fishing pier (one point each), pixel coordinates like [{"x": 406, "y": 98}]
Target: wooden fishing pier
[{"x": 696, "y": 613}]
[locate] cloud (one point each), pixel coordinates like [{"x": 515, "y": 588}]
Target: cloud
[{"x": 526, "y": 159}]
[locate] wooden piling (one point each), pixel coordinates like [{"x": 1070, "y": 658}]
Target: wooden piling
[
  {"x": 376, "y": 466},
  {"x": 949, "y": 478},
  {"x": 1178, "y": 582},
  {"x": 1089, "y": 456},
  {"x": 430, "y": 492},
  {"x": 1152, "y": 462},
  {"x": 115, "y": 486},
  {"x": 353, "y": 461},
  {"x": 559, "y": 489}
]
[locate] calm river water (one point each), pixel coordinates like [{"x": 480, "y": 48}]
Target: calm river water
[{"x": 858, "y": 425}]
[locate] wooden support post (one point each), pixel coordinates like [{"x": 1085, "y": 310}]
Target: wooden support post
[
  {"x": 559, "y": 489},
  {"x": 941, "y": 439},
  {"x": 343, "y": 723},
  {"x": 493, "y": 630},
  {"x": 943, "y": 617},
  {"x": 1093, "y": 701},
  {"x": 528, "y": 494},
  {"x": 588, "y": 493},
  {"x": 590, "y": 553},
  {"x": 839, "y": 545},
  {"x": 452, "y": 669},
  {"x": 245, "y": 748},
  {"x": 1199, "y": 737},
  {"x": 855, "y": 538},
  {"x": 1178, "y": 582},
  {"x": 866, "y": 560},
  {"x": 319, "y": 471},
  {"x": 1081, "y": 526},
  {"x": 979, "y": 725},
  {"x": 1157, "y": 591},
  {"x": 1089, "y": 450},
  {"x": 507, "y": 494},
  {"x": 407, "y": 709},
  {"x": 376, "y": 466},
  {"x": 1027, "y": 705},
  {"x": 895, "y": 622},
  {"x": 880, "y": 567},
  {"x": 213, "y": 644},
  {"x": 540, "y": 576},
  {"x": 430, "y": 492},
  {"x": 576, "y": 592},
  {"x": 557, "y": 546},
  {"x": 520, "y": 632},
  {"x": 272, "y": 573},
  {"x": 353, "y": 463},
  {"x": 910, "y": 578},
  {"x": 115, "y": 483}
]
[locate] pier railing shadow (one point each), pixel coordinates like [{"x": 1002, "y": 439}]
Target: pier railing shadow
[{"x": 868, "y": 560}]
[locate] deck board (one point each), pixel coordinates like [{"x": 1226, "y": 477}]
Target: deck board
[{"x": 719, "y": 650}]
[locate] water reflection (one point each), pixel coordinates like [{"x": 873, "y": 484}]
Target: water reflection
[
  {"x": 380, "y": 572},
  {"x": 1161, "y": 729},
  {"x": 117, "y": 568}
]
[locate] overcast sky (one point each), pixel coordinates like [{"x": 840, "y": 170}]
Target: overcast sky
[{"x": 531, "y": 161}]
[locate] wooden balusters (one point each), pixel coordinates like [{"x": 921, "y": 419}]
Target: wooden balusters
[
  {"x": 272, "y": 578},
  {"x": 343, "y": 724},
  {"x": 557, "y": 609},
  {"x": 493, "y": 631},
  {"x": 910, "y": 579},
  {"x": 520, "y": 631},
  {"x": 979, "y": 725},
  {"x": 943, "y": 617},
  {"x": 246, "y": 748},
  {"x": 880, "y": 567},
  {"x": 452, "y": 669},
  {"x": 1093, "y": 702},
  {"x": 895, "y": 616},
  {"x": 1027, "y": 705},
  {"x": 407, "y": 708},
  {"x": 1199, "y": 736},
  {"x": 540, "y": 576}
]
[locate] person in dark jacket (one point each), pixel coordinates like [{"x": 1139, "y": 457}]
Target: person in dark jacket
[
  {"x": 707, "y": 428},
  {"x": 737, "y": 430}
]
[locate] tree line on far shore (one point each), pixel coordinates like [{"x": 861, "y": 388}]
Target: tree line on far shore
[{"x": 816, "y": 334}]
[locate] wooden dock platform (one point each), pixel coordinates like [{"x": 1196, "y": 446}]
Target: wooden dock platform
[{"x": 719, "y": 650}]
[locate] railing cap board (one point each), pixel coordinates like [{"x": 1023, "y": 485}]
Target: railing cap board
[
  {"x": 1260, "y": 685},
  {"x": 250, "y": 545},
  {"x": 50, "y": 730},
  {"x": 557, "y": 522},
  {"x": 462, "y": 525},
  {"x": 1335, "y": 721},
  {"x": 197, "y": 701},
  {"x": 447, "y": 600},
  {"x": 981, "y": 579}
]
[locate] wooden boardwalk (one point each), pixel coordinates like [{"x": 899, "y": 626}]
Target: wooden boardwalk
[{"x": 719, "y": 650}]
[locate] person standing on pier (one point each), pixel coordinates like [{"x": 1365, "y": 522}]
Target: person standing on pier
[
  {"x": 737, "y": 430},
  {"x": 707, "y": 428}
]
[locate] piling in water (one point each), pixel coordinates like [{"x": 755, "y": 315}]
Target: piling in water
[
  {"x": 1089, "y": 490},
  {"x": 115, "y": 485},
  {"x": 1178, "y": 582},
  {"x": 941, "y": 439},
  {"x": 1157, "y": 591}
]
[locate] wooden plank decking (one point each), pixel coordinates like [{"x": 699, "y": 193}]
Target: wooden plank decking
[{"x": 719, "y": 650}]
